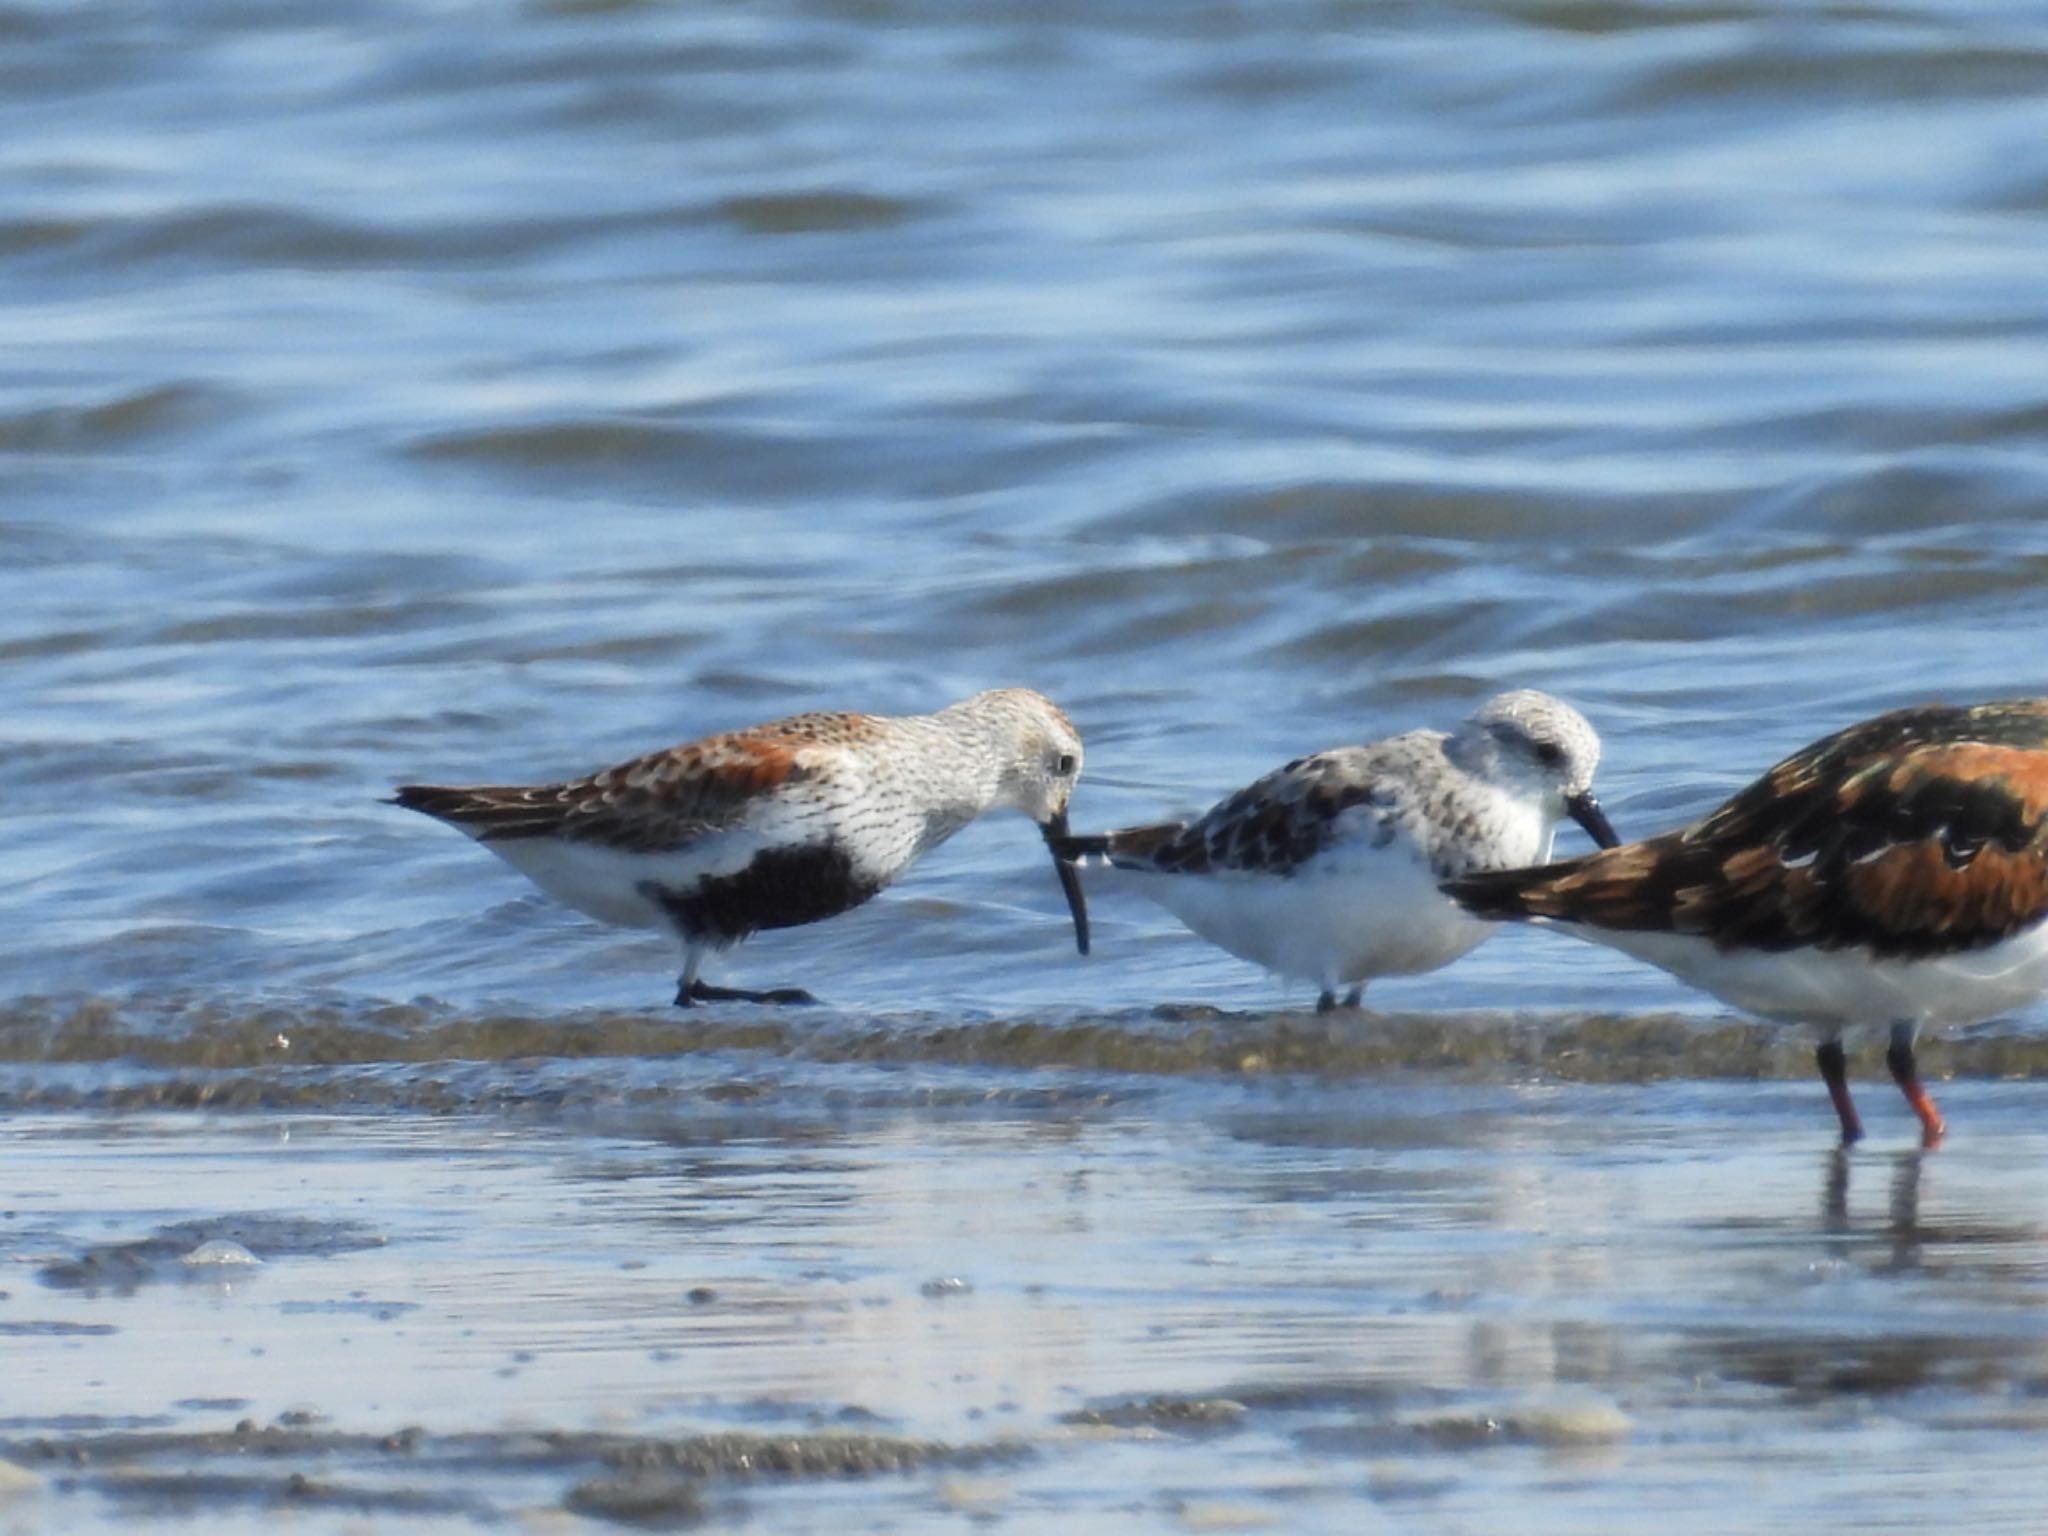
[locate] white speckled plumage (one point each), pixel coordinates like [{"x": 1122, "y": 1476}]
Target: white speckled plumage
[
  {"x": 777, "y": 824},
  {"x": 1326, "y": 870}
]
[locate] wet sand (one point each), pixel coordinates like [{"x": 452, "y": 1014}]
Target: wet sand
[{"x": 817, "y": 1293}]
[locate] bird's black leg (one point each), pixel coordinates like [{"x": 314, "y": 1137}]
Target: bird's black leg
[
  {"x": 1355, "y": 998},
  {"x": 690, "y": 991},
  {"x": 693, "y": 992},
  {"x": 1326, "y": 1002},
  {"x": 1834, "y": 1071},
  {"x": 1906, "y": 1073}
]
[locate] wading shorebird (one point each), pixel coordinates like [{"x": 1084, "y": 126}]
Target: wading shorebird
[
  {"x": 1327, "y": 870},
  {"x": 776, "y": 825},
  {"x": 1894, "y": 873}
]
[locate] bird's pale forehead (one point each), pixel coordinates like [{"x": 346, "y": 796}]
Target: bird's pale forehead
[
  {"x": 1538, "y": 714},
  {"x": 1046, "y": 707},
  {"x": 1041, "y": 709}
]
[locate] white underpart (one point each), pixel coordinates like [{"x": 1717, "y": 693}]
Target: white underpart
[
  {"x": 611, "y": 885},
  {"x": 1333, "y": 928},
  {"x": 1355, "y": 910},
  {"x": 1837, "y": 987}
]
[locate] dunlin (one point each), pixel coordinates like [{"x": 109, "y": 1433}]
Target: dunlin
[{"x": 777, "y": 825}]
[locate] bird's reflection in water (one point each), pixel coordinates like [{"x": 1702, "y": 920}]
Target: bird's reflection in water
[{"x": 1902, "y": 1211}]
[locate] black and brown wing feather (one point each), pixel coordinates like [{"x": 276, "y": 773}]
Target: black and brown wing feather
[
  {"x": 1918, "y": 833},
  {"x": 1272, "y": 826},
  {"x": 652, "y": 804}
]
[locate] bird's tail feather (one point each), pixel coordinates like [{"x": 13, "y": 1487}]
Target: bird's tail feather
[
  {"x": 486, "y": 810},
  {"x": 1498, "y": 895}
]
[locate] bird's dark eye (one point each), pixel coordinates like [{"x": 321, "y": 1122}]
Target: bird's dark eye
[
  {"x": 1064, "y": 768},
  {"x": 1549, "y": 754}
]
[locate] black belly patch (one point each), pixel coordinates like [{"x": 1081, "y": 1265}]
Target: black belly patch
[{"x": 782, "y": 888}]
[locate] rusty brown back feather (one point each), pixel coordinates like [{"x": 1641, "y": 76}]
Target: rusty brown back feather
[
  {"x": 1917, "y": 833},
  {"x": 659, "y": 801}
]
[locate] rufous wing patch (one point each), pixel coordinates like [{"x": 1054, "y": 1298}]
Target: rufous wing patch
[
  {"x": 725, "y": 768},
  {"x": 2019, "y": 774},
  {"x": 667, "y": 800},
  {"x": 659, "y": 801},
  {"x": 1916, "y": 898}
]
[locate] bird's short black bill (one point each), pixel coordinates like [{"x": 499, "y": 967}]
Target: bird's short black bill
[
  {"x": 1587, "y": 813},
  {"x": 1070, "y": 879}
]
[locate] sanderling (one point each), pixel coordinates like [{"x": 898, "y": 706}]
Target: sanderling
[
  {"x": 776, "y": 825},
  {"x": 1893, "y": 873},
  {"x": 1326, "y": 870}
]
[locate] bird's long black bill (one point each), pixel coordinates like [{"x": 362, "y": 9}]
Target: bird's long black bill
[
  {"x": 1587, "y": 813},
  {"x": 1070, "y": 880}
]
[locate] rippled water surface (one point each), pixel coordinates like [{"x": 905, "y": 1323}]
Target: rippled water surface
[{"x": 492, "y": 391}]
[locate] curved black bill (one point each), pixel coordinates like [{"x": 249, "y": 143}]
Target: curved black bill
[
  {"x": 1587, "y": 813},
  {"x": 1070, "y": 879}
]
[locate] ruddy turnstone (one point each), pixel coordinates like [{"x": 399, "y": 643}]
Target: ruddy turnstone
[
  {"x": 1893, "y": 873},
  {"x": 776, "y": 825},
  {"x": 1327, "y": 869}
]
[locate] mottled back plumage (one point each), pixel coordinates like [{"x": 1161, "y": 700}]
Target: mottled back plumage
[
  {"x": 656, "y": 802},
  {"x": 1444, "y": 793},
  {"x": 1914, "y": 834},
  {"x": 1279, "y": 823}
]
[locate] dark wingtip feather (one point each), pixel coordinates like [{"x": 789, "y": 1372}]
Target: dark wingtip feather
[
  {"x": 440, "y": 801},
  {"x": 488, "y": 811}
]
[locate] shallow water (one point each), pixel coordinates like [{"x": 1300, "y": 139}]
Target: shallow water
[
  {"x": 493, "y": 391},
  {"x": 839, "y": 1300}
]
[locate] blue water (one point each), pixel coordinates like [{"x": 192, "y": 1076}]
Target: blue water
[{"x": 494, "y": 391}]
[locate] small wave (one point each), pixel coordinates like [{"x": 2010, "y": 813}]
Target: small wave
[
  {"x": 817, "y": 211},
  {"x": 242, "y": 235},
  {"x": 566, "y": 444},
  {"x": 1758, "y": 66},
  {"x": 1382, "y": 510},
  {"x": 659, "y": 458},
  {"x": 1166, "y": 1041},
  {"x": 1920, "y": 494},
  {"x": 1600, "y": 18},
  {"x": 375, "y": 618},
  {"x": 117, "y": 421},
  {"x": 21, "y": 237}
]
